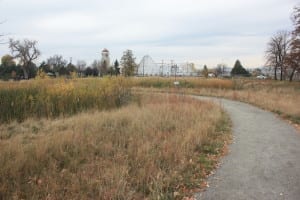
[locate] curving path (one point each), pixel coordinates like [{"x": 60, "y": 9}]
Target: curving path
[{"x": 264, "y": 158}]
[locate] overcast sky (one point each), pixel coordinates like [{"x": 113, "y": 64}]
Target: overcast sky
[{"x": 200, "y": 31}]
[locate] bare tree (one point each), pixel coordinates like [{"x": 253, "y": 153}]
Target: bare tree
[
  {"x": 56, "y": 62},
  {"x": 97, "y": 65},
  {"x": 293, "y": 58},
  {"x": 81, "y": 64},
  {"x": 220, "y": 69},
  {"x": 26, "y": 51},
  {"x": 276, "y": 53}
]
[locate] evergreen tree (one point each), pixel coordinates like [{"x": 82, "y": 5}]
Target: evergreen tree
[
  {"x": 117, "y": 68},
  {"x": 205, "y": 71},
  {"x": 239, "y": 70}
]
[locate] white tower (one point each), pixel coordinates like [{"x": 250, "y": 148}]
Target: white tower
[{"x": 105, "y": 61}]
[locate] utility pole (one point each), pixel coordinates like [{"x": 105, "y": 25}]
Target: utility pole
[
  {"x": 162, "y": 67},
  {"x": 172, "y": 67}
]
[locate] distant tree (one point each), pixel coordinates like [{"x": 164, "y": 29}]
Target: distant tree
[
  {"x": 97, "y": 65},
  {"x": 205, "y": 71},
  {"x": 8, "y": 67},
  {"x": 26, "y": 51},
  {"x": 57, "y": 64},
  {"x": 117, "y": 68},
  {"x": 111, "y": 71},
  {"x": 239, "y": 70},
  {"x": 81, "y": 64},
  {"x": 8, "y": 60},
  {"x": 220, "y": 69},
  {"x": 293, "y": 57},
  {"x": 45, "y": 67},
  {"x": 276, "y": 53},
  {"x": 32, "y": 70},
  {"x": 256, "y": 72},
  {"x": 90, "y": 71},
  {"x": 71, "y": 68},
  {"x": 128, "y": 63}
]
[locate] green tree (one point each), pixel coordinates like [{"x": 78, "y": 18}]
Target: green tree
[
  {"x": 205, "y": 71},
  {"x": 7, "y": 67},
  {"x": 71, "y": 68},
  {"x": 239, "y": 70},
  {"x": 8, "y": 61},
  {"x": 117, "y": 68},
  {"x": 45, "y": 67},
  {"x": 128, "y": 63}
]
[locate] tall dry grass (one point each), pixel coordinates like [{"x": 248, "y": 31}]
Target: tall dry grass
[
  {"x": 157, "y": 149},
  {"x": 280, "y": 97},
  {"x": 185, "y": 82},
  {"x": 55, "y": 97}
]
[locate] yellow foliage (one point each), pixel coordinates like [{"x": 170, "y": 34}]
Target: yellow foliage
[{"x": 41, "y": 74}]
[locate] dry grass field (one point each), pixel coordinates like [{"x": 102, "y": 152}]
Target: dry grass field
[
  {"x": 95, "y": 138},
  {"x": 157, "y": 147},
  {"x": 280, "y": 97},
  {"x": 52, "y": 98}
]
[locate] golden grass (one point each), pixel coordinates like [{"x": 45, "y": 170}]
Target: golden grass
[
  {"x": 185, "y": 82},
  {"x": 279, "y": 97},
  {"x": 55, "y": 97},
  {"x": 157, "y": 149}
]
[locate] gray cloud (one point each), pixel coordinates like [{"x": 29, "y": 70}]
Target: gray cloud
[{"x": 202, "y": 31}]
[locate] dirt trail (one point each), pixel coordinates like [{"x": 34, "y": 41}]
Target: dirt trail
[{"x": 264, "y": 159}]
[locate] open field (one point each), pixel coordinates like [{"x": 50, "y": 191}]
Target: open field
[
  {"x": 159, "y": 147},
  {"x": 279, "y": 97},
  {"x": 91, "y": 138}
]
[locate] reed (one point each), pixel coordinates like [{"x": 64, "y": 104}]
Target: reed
[{"x": 60, "y": 97}]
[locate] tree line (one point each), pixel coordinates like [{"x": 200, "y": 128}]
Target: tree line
[
  {"x": 26, "y": 53},
  {"x": 283, "y": 50}
]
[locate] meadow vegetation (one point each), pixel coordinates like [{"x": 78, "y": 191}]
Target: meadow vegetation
[
  {"x": 279, "y": 97},
  {"x": 158, "y": 147},
  {"x": 99, "y": 138},
  {"x": 158, "y": 82},
  {"x": 60, "y": 97}
]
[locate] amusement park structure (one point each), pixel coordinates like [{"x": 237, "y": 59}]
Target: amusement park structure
[{"x": 147, "y": 67}]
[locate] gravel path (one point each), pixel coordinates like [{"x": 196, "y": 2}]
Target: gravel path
[{"x": 264, "y": 159}]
